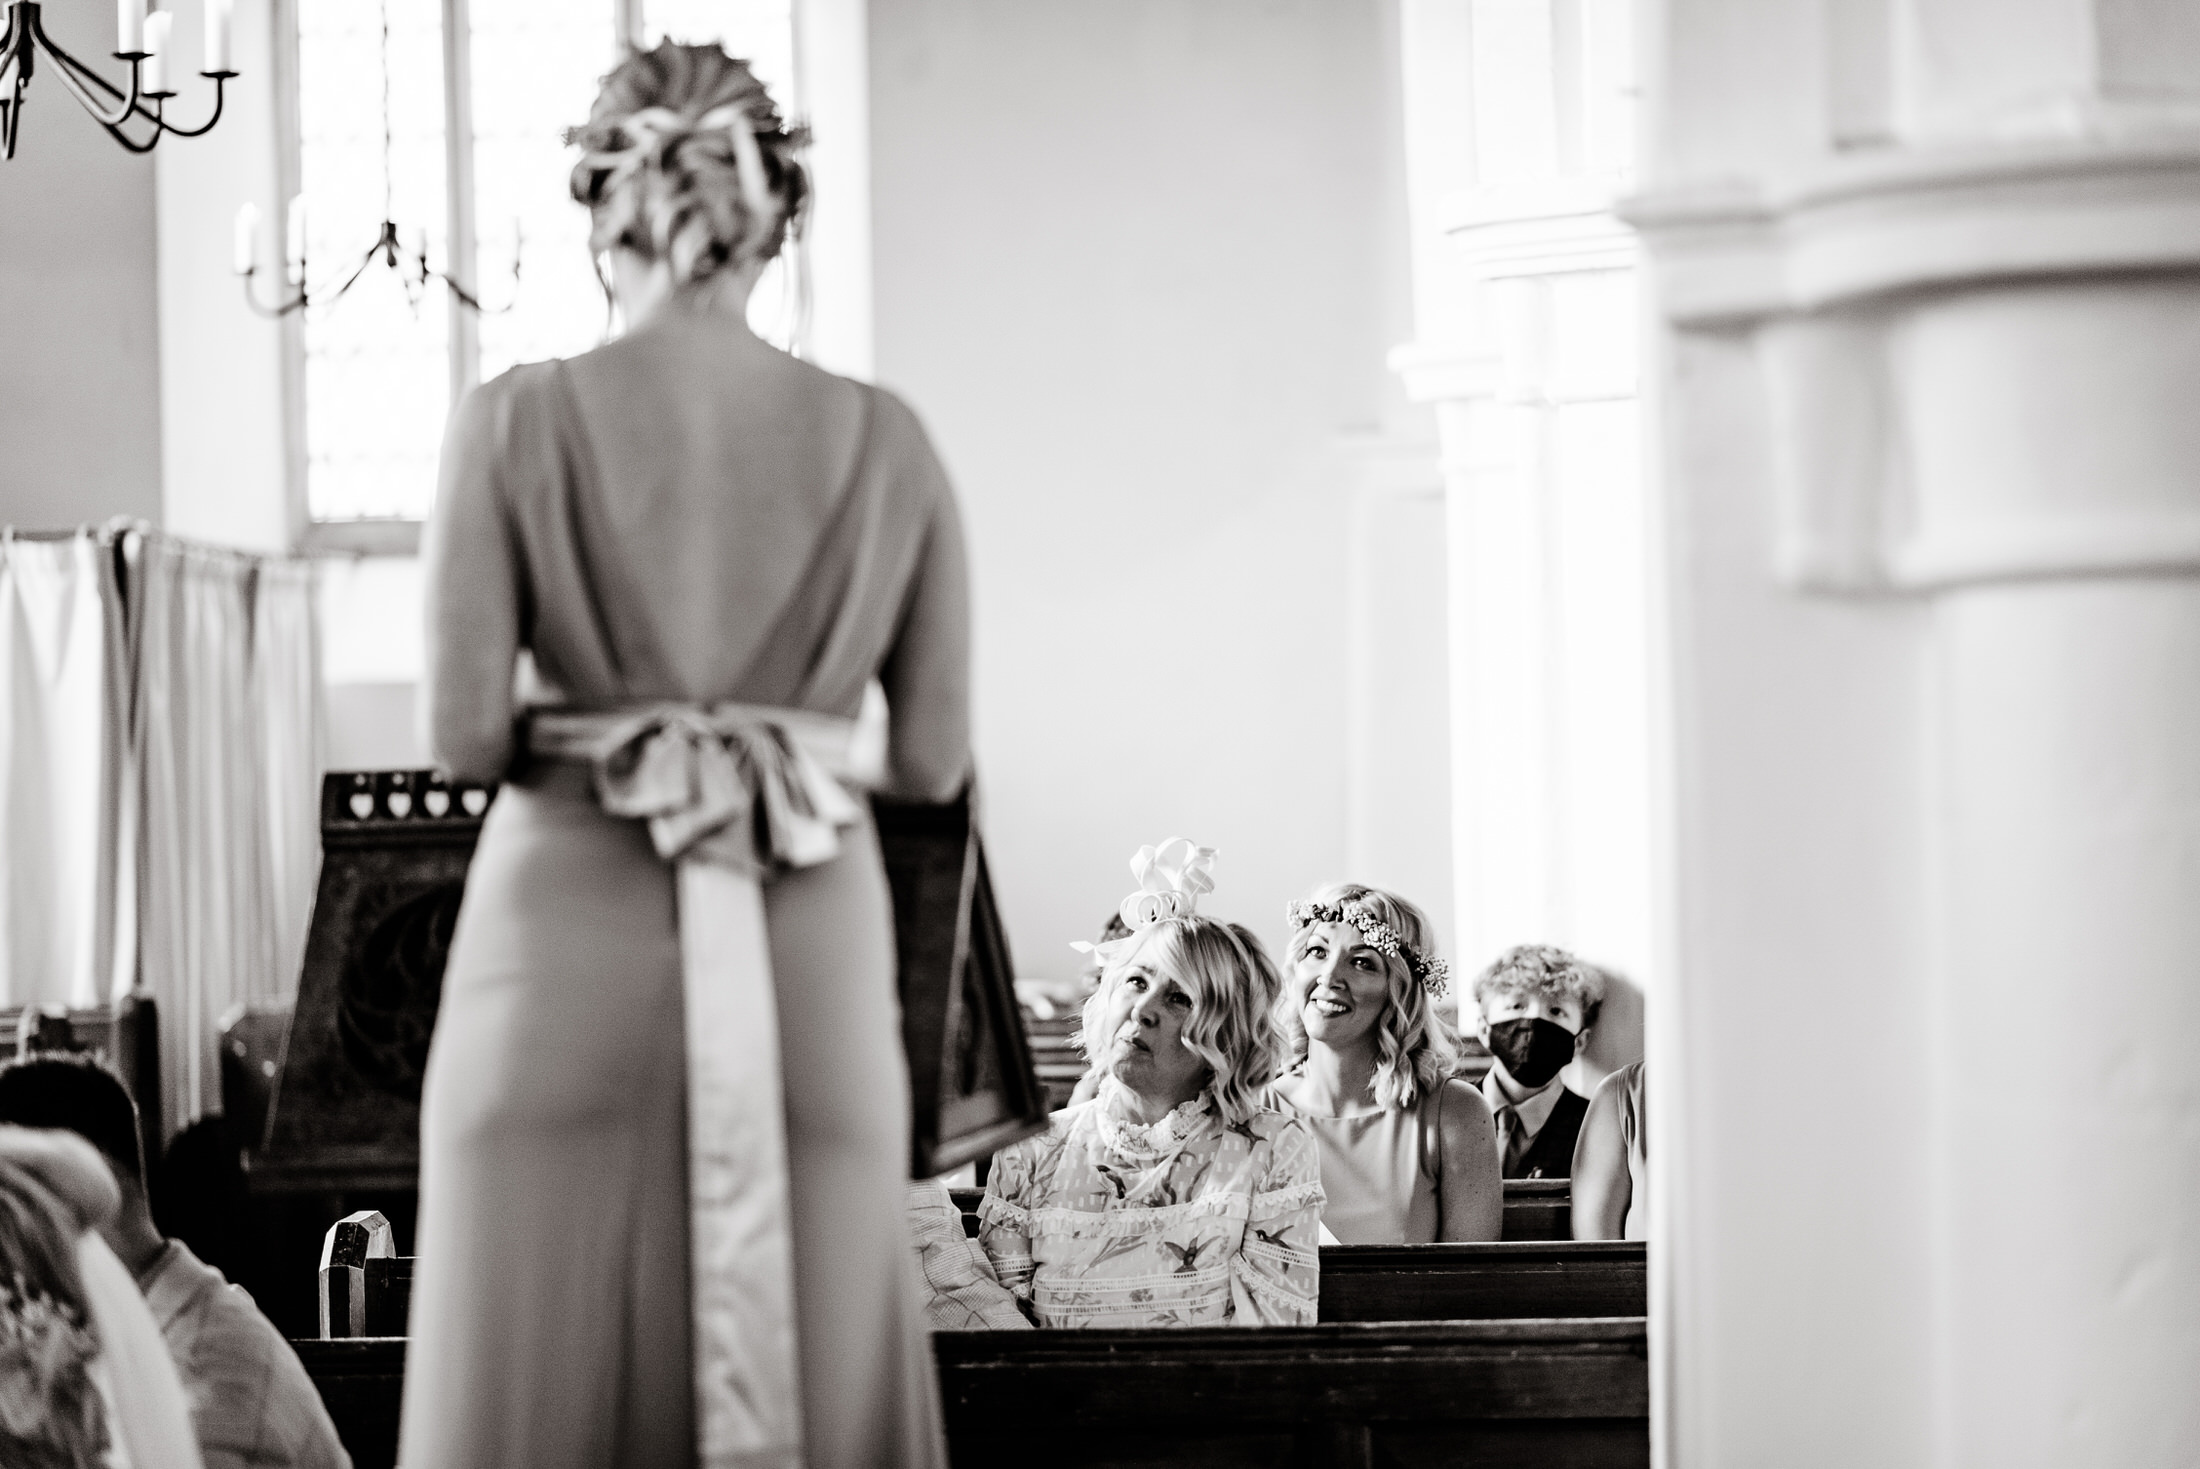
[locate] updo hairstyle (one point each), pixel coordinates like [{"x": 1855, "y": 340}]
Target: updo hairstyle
[
  {"x": 1233, "y": 986},
  {"x": 662, "y": 167}
]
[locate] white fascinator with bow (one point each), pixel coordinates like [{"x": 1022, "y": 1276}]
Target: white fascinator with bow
[{"x": 1172, "y": 878}]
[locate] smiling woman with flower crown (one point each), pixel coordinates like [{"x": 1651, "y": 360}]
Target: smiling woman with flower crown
[
  {"x": 1175, "y": 1197},
  {"x": 1408, "y": 1153}
]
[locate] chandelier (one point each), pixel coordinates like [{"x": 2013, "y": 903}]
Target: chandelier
[
  {"x": 410, "y": 265},
  {"x": 142, "y": 39}
]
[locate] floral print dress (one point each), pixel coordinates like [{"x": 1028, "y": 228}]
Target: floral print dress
[{"x": 1187, "y": 1222}]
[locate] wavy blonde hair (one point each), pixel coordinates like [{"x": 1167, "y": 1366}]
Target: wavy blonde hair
[
  {"x": 1233, "y": 986},
  {"x": 685, "y": 159},
  {"x": 1414, "y": 1052}
]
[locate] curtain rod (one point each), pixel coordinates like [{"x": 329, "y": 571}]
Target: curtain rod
[{"x": 122, "y": 525}]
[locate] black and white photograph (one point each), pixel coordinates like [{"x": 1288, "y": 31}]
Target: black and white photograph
[{"x": 1023, "y": 734}]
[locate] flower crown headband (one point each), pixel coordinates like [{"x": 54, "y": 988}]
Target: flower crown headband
[
  {"x": 1172, "y": 878},
  {"x": 1434, "y": 975}
]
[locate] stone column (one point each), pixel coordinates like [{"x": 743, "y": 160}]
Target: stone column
[
  {"x": 1518, "y": 138},
  {"x": 1933, "y": 300}
]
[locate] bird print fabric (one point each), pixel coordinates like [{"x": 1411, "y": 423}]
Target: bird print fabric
[{"x": 1189, "y": 1223}]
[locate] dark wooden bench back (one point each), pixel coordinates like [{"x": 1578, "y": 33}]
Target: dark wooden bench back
[
  {"x": 366, "y": 1291},
  {"x": 1494, "y": 1282},
  {"x": 1539, "y": 1208},
  {"x": 1524, "y": 1394}
]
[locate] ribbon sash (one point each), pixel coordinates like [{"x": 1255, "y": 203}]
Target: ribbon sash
[
  {"x": 748, "y": 1403},
  {"x": 732, "y": 794}
]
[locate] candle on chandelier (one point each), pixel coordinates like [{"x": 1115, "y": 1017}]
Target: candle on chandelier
[
  {"x": 129, "y": 27},
  {"x": 248, "y": 238},
  {"x": 218, "y": 16},
  {"x": 157, "y": 27}
]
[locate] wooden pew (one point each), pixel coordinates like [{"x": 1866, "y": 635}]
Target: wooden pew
[
  {"x": 362, "y": 1383},
  {"x": 366, "y": 1291},
  {"x": 1535, "y": 1208},
  {"x": 1539, "y": 1208},
  {"x": 1521, "y": 1394},
  {"x": 1524, "y": 1394},
  {"x": 1494, "y": 1282}
]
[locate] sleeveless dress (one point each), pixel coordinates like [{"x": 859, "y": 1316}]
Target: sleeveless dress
[
  {"x": 1380, "y": 1170},
  {"x": 685, "y": 516},
  {"x": 1632, "y": 1092}
]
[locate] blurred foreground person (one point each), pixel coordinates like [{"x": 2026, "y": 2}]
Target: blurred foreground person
[
  {"x": 251, "y": 1402},
  {"x": 85, "y": 1382},
  {"x": 665, "y": 1131}
]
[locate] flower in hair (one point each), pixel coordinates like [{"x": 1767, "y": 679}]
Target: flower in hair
[
  {"x": 1172, "y": 878},
  {"x": 1434, "y": 975},
  {"x": 45, "y": 1352}
]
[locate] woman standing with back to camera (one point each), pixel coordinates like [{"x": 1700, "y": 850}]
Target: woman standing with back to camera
[{"x": 707, "y": 548}]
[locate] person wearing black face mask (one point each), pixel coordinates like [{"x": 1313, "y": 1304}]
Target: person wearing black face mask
[{"x": 1535, "y": 1005}]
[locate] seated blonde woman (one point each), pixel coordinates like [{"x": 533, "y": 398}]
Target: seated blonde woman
[
  {"x": 1174, "y": 1197},
  {"x": 1409, "y": 1155}
]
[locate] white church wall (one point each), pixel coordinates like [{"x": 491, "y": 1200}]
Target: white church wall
[
  {"x": 1133, "y": 264},
  {"x": 80, "y": 410},
  {"x": 1519, "y": 133},
  {"x": 224, "y": 470}
]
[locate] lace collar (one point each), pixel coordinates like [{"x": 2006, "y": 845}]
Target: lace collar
[{"x": 1148, "y": 1142}]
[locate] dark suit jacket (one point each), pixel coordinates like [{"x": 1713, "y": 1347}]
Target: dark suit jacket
[{"x": 1551, "y": 1155}]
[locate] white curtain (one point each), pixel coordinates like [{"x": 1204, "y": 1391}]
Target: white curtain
[
  {"x": 293, "y": 751},
  {"x": 61, "y": 732},
  {"x": 225, "y": 749}
]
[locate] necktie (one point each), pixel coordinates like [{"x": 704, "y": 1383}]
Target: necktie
[{"x": 1508, "y": 1132}]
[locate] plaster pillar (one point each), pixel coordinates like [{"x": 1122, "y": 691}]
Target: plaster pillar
[
  {"x": 1929, "y": 420},
  {"x": 1518, "y": 130}
]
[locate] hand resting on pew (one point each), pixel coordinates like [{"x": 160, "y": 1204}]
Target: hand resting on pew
[{"x": 961, "y": 1293}]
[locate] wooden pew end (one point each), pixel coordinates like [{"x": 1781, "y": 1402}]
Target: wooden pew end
[{"x": 345, "y": 1250}]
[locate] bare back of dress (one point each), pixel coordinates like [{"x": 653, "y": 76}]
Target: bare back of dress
[{"x": 688, "y": 514}]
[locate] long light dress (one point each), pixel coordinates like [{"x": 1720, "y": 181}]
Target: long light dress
[
  {"x": 684, "y": 514},
  {"x": 1192, "y": 1222}
]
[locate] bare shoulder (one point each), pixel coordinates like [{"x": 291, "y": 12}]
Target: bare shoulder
[
  {"x": 1466, "y": 1124},
  {"x": 1464, "y": 1105}
]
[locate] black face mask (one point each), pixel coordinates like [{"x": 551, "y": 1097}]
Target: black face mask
[{"x": 1533, "y": 1051}]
